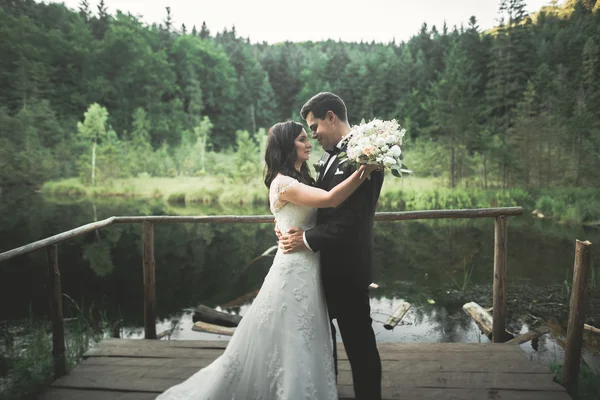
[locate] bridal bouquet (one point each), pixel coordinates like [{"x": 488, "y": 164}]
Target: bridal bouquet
[{"x": 377, "y": 142}]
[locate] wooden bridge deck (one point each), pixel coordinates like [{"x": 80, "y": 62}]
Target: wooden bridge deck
[{"x": 136, "y": 369}]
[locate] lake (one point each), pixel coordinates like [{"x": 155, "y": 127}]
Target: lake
[{"x": 437, "y": 266}]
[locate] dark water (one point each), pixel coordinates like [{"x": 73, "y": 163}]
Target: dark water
[{"x": 437, "y": 266}]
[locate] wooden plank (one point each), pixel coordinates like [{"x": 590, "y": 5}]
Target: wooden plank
[
  {"x": 499, "y": 316},
  {"x": 125, "y": 381},
  {"x": 419, "y": 347},
  {"x": 197, "y": 344},
  {"x": 146, "y": 371},
  {"x": 465, "y": 380},
  {"x": 413, "y": 363},
  {"x": 109, "y": 362},
  {"x": 450, "y": 347},
  {"x": 177, "y": 352},
  {"x": 174, "y": 352},
  {"x": 78, "y": 394},
  {"x": 346, "y": 392},
  {"x": 157, "y": 379},
  {"x": 149, "y": 279},
  {"x": 577, "y": 310}
]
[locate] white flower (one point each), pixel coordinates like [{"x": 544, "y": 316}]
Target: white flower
[
  {"x": 389, "y": 161},
  {"x": 380, "y": 142},
  {"x": 395, "y": 150}
]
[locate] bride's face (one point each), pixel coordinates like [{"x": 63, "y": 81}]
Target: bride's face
[{"x": 302, "y": 147}]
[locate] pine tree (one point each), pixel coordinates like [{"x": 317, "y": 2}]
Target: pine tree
[
  {"x": 84, "y": 10},
  {"x": 204, "y": 32}
]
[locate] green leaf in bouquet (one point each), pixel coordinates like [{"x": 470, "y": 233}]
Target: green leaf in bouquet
[{"x": 396, "y": 173}]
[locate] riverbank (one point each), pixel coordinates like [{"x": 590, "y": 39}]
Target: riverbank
[{"x": 564, "y": 205}]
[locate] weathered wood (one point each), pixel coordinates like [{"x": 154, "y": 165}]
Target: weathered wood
[
  {"x": 499, "y": 314},
  {"x": 345, "y": 392},
  {"x": 531, "y": 335},
  {"x": 205, "y": 219},
  {"x": 211, "y": 316},
  {"x": 468, "y": 371},
  {"x": 591, "y": 329},
  {"x": 149, "y": 280},
  {"x": 443, "y": 214},
  {"x": 380, "y": 216},
  {"x": 61, "y": 237},
  {"x": 577, "y": 310},
  {"x": 486, "y": 349},
  {"x": 79, "y": 394},
  {"x": 503, "y": 362},
  {"x": 56, "y": 314},
  {"x": 150, "y": 352},
  {"x": 397, "y": 316},
  {"x": 142, "y": 343},
  {"x": 211, "y": 328},
  {"x": 138, "y": 378},
  {"x": 481, "y": 317},
  {"x": 463, "y": 380}
]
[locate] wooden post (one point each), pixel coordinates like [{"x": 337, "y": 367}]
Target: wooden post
[
  {"x": 56, "y": 314},
  {"x": 499, "y": 316},
  {"x": 578, "y": 305},
  {"x": 149, "y": 281}
]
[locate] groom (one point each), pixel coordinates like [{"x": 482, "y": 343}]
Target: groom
[{"x": 344, "y": 238}]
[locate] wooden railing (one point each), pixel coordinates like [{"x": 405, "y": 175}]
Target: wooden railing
[{"x": 58, "y": 341}]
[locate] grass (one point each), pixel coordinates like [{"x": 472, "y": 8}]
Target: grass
[
  {"x": 572, "y": 206},
  {"x": 589, "y": 381},
  {"x": 26, "y": 349}
]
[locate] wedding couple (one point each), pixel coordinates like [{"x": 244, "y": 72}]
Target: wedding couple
[{"x": 284, "y": 347}]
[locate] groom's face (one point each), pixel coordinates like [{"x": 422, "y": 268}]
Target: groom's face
[{"x": 322, "y": 130}]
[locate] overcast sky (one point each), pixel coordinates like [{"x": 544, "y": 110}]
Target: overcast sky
[{"x": 280, "y": 20}]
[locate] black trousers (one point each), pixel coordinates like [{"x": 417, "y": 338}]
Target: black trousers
[{"x": 352, "y": 311}]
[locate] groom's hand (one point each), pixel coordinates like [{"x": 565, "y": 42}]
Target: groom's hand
[
  {"x": 292, "y": 241},
  {"x": 277, "y": 231}
]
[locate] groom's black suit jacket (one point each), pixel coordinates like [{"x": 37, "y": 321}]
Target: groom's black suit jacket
[{"x": 344, "y": 235}]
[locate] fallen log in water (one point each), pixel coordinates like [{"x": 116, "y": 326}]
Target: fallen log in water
[
  {"x": 397, "y": 316},
  {"x": 531, "y": 335},
  {"x": 212, "y": 316},
  {"x": 211, "y": 328},
  {"x": 482, "y": 318},
  {"x": 591, "y": 329}
]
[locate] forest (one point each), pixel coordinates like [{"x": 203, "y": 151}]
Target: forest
[{"x": 97, "y": 96}]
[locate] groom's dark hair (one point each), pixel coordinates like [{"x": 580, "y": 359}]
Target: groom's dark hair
[{"x": 320, "y": 103}]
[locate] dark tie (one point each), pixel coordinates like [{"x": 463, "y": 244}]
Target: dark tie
[{"x": 335, "y": 151}]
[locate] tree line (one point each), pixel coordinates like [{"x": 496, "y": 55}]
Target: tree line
[{"x": 84, "y": 90}]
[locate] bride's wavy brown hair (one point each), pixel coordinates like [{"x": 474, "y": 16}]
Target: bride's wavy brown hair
[{"x": 280, "y": 155}]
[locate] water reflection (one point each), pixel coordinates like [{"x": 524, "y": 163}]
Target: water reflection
[{"x": 437, "y": 266}]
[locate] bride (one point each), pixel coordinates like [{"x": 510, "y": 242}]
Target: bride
[{"x": 282, "y": 347}]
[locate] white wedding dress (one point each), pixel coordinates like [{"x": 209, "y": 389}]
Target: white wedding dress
[{"x": 282, "y": 348}]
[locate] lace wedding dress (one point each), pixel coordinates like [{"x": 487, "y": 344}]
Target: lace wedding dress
[{"x": 282, "y": 348}]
